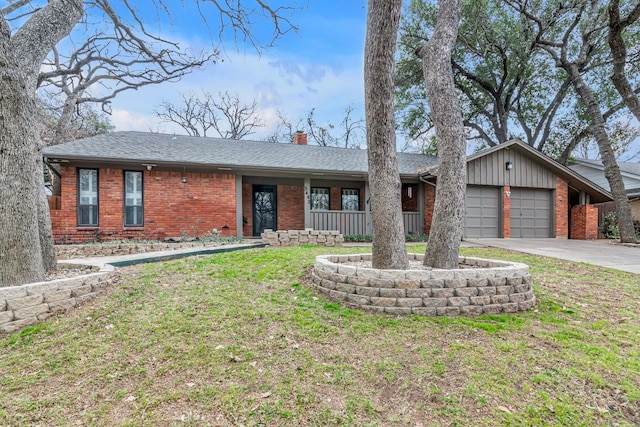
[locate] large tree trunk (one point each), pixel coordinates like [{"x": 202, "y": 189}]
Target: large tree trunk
[
  {"x": 611, "y": 169},
  {"x": 389, "y": 251},
  {"x": 21, "y": 56},
  {"x": 20, "y": 251},
  {"x": 448, "y": 213}
]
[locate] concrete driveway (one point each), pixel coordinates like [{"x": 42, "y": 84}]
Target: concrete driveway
[{"x": 603, "y": 253}]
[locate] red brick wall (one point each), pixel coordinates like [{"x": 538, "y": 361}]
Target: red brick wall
[
  {"x": 584, "y": 222},
  {"x": 247, "y": 209},
  {"x": 506, "y": 212},
  {"x": 171, "y": 207},
  {"x": 562, "y": 209},
  {"x": 290, "y": 207},
  {"x": 429, "y": 201},
  {"x": 335, "y": 199}
]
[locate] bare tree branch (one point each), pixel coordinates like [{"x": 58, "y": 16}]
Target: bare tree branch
[
  {"x": 229, "y": 117},
  {"x": 617, "y": 25}
]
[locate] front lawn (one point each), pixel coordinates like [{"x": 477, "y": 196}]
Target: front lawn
[{"x": 240, "y": 339}]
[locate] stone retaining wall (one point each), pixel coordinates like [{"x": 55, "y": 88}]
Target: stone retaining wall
[
  {"x": 21, "y": 306},
  {"x": 302, "y": 237},
  {"x": 486, "y": 287}
]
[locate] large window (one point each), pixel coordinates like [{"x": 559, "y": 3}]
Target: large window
[
  {"x": 350, "y": 199},
  {"x": 87, "y": 197},
  {"x": 133, "y": 210},
  {"x": 319, "y": 199}
]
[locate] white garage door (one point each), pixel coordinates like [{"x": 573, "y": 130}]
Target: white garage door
[
  {"x": 483, "y": 212},
  {"x": 531, "y": 212}
]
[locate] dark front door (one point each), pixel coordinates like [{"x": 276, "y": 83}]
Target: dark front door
[{"x": 264, "y": 208}]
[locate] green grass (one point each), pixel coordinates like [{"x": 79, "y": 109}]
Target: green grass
[{"x": 241, "y": 339}]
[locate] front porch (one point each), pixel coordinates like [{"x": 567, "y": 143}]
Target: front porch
[{"x": 320, "y": 204}]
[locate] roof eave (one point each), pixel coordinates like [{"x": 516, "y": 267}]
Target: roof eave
[{"x": 219, "y": 167}]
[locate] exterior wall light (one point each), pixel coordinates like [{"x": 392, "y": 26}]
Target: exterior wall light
[{"x": 509, "y": 165}]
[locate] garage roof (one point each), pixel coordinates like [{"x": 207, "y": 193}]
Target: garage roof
[{"x": 575, "y": 180}]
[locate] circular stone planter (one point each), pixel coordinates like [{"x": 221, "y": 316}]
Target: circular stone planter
[{"x": 484, "y": 287}]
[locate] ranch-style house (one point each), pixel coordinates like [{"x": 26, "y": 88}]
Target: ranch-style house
[{"x": 137, "y": 185}]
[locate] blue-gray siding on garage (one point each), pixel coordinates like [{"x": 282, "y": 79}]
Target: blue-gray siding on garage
[{"x": 526, "y": 171}]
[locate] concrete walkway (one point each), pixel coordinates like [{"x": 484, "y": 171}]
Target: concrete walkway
[
  {"x": 139, "y": 258},
  {"x": 603, "y": 253}
]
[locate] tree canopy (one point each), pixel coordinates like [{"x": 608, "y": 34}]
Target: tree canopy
[{"x": 508, "y": 85}]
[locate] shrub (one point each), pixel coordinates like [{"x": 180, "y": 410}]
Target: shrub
[{"x": 609, "y": 226}]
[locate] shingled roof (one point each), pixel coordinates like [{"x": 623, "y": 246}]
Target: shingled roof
[{"x": 163, "y": 149}]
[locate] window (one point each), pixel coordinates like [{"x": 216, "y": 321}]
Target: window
[
  {"x": 350, "y": 199},
  {"x": 319, "y": 199},
  {"x": 133, "y": 210},
  {"x": 87, "y": 197}
]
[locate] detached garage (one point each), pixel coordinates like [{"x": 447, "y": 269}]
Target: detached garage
[{"x": 515, "y": 191}]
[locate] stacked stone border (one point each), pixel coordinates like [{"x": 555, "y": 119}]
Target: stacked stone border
[
  {"x": 21, "y": 306},
  {"x": 486, "y": 287},
  {"x": 302, "y": 237}
]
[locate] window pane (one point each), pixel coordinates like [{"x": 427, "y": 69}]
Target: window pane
[
  {"x": 88, "y": 197},
  {"x": 88, "y": 215},
  {"x": 133, "y": 211},
  {"x": 320, "y": 199},
  {"x": 350, "y": 199},
  {"x": 133, "y": 216}
]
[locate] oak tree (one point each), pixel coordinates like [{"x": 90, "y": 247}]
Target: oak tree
[
  {"x": 449, "y": 208},
  {"x": 389, "y": 250},
  {"x": 29, "y": 31}
]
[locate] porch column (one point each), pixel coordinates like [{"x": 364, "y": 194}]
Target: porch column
[
  {"x": 584, "y": 198},
  {"x": 307, "y": 203},
  {"x": 239, "y": 224},
  {"x": 367, "y": 209}
]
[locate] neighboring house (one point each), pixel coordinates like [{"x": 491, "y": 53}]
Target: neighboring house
[
  {"x": 593, "y": 170},
  {"x": 136, "y": 185}
]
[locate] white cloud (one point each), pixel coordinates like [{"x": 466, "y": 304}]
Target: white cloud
[{"x": 287, "y": 84}]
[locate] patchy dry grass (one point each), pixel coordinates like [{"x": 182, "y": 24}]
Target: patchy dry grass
[{"x": 241, "y": 339}]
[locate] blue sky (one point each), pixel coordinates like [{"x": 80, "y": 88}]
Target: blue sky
[{"x": 320, "y": 67}]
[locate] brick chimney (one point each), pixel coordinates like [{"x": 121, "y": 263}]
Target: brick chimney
[{"x": 300, "y": 138}]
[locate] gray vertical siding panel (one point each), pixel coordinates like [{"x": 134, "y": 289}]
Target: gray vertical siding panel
[{"x": 491, "y": 170}]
